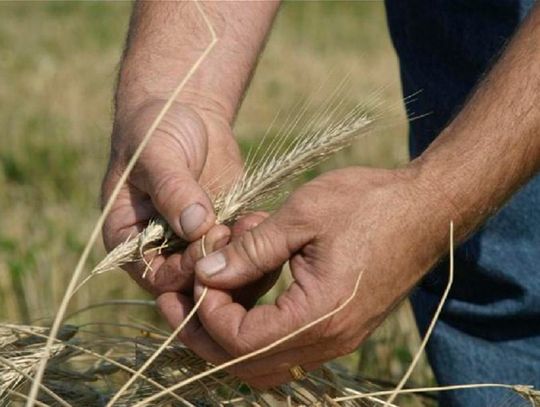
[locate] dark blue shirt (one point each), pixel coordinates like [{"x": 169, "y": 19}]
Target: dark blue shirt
[
  {"x": 489, "y": 330},
  {"x": 444, "y": 47}
]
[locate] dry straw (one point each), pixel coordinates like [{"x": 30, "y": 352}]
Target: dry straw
[
  {"x": 77, "y": 372},
  {"x": 158, "y": 369}
]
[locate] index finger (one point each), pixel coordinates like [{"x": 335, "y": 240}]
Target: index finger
[{"x": 240, "y": 331}]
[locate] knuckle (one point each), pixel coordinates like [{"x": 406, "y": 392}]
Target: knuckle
[
  {"x": 166, "y": 190},
  {"x": 295, "y": 311},
  {"x": 189, "y": 258},
  {"x": 256, "y": 249},
  {"x": 253, "y": 248}
]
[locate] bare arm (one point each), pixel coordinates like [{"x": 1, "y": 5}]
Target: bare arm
[
  {"x": 166, "y": 37},
  {"x": 193, "y": 145},
  {"x": 493, "y": 146},
  {"x": 387, "y": 226}
]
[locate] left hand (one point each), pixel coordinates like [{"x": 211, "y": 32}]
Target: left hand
[{"x": 336, "y": 227}]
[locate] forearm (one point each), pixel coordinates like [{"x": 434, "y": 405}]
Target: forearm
[
  {"x": 493, "y": 146},
  {"x": 165, "y": 39}
]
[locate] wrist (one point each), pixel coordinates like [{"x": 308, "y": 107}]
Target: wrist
[
  {"x": 129, "y": 102},
  {"x": 456, "y": 182},
  {"x": 209, "y": 111},
  {"x": 432, "y": 207}
]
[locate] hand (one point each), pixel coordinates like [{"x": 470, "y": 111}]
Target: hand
[
  {"x": 342, "y": 224},
  {"x": 189, "y": 149}
]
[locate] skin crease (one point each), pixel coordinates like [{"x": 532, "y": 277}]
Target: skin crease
[
  {"x": 389, "y": 225},
  {"x": 193, "y": 146}
]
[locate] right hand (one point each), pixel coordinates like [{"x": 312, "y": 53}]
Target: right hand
[{"x": 191, "y": 148}]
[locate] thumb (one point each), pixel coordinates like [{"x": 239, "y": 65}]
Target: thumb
[
  {"x": 253, "y": 254},
  {"x": 180, "y": 199}
]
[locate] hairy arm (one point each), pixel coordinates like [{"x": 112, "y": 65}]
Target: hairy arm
[
  {"x": 493, "y": 146},
  {"x": 166, "y": 37},
  {"x": 192, "y": 151},
  {"x": 387, "y": 226}
]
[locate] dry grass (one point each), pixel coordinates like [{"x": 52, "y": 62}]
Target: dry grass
[
  {"x": 82, "y": 364},
  {"x": 90, "y": 368},
  {"x": 56, "y": 92},
  {"x": 80, "y": 377}
]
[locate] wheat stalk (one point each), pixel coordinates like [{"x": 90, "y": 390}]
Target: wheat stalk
[
  {"x": 434, "y": 320},
  {"x": 526, "y": 392}
]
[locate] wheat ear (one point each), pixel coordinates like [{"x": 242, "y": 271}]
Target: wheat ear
[
  {"x": 156, "y": 353},
  {"x": 323, "y": 136},
  {"x": 27, "y": 375}
]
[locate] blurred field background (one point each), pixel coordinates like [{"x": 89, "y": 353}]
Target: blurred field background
[{"x": 58, "y": 66}]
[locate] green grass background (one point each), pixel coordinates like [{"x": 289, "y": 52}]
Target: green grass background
[{"x": 58, "y": 65}]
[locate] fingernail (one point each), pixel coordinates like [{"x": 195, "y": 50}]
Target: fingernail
[
  {"x": 192, "y": 217},
  {"x": 211, "y": 264}
]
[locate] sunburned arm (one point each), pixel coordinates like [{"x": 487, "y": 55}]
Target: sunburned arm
[
  {"x": 370, "y": 232},
  {"x": 493, "y": 146},
  {"x": 165, "y": 38},
  {"x": 192, "y": 146}
]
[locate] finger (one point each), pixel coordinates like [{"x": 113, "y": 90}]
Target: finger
[
  {"x": 239, "y": 331},
  {"x": 265, "y": 371},
  {"x": 175, "y": 307},
  {"x": 178, "y": 197},
  {"x": 248, "y": 222},
  {"x": 170, "y": 276},
  {"x": 158, "y": 274},
  {"x": 248, "y": 295},
  {"x": 302, "y": 354},
  {"x": 216, "y": 238},
  {"x": 254, "y": 253},
  {"x": 128, "y": 215}
]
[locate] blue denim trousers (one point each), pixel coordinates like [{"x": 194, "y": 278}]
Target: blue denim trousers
[{"x": 489, "y": 330}]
